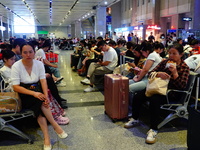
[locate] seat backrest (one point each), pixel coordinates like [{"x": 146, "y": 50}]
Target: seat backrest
[
  {"x": 189, "y": 86},
  {"x": 184, "y": 95},
  {"x": 190, "y": 82}
]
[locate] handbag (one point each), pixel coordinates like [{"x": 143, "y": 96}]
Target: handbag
[
  {"x": 10, "y": 102},
  {"x": 156, "y": 85}
]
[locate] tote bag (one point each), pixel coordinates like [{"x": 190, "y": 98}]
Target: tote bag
[{"x": 156, "y": 85}]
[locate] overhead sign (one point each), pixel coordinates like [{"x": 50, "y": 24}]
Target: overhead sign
[
  {"x": 153, "y": 27},
  {"x": 42, "y": 32},
  {"x": 187, "y": 19}
]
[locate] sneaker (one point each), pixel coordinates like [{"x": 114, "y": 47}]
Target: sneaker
[
  {"x": 131, "y": 123},
  {"x": 61, "y": 84},
  {"x": 89, "y": 89},
  {"x": 151, "y": 136},
  {"x": 86, "y": 81}
]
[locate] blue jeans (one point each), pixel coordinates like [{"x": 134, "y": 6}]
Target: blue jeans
[
  {"x": 55, "y": 72},
  {"x": 135, "y": 87}
]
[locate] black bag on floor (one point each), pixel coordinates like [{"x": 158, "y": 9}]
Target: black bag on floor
[{"x": 193, "y": 130}]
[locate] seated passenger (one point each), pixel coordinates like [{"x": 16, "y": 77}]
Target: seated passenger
[
  {"x": 113, "y": 44},
  {"x": 138, "y": 62},
  {"x": 51, "y": 83},
  {"x": 78, "y": 55},
  {"x": 89, "y": 55},
  {"x": 139, "y": 81},
  {"x": 28, "y": 79},
  {"x": 8, "y": 57},
  {"x": 178, "y": 73},
  {"x": 40, "y": 55},
  {"x": 121, "y": 45},
  {"x": 102, "y": 67},
  {"x": 16, "y": 48},
  {"x": 9, "y": 60},
  {"x": 129, "y": 52},
  {"x": 193, "y": 62}
]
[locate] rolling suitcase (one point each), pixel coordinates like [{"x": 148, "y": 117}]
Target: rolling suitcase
[{"x": 116, "y": 96}]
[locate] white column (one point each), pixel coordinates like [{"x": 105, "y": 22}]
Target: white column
[
  {"x": 78, "y": 29},
  {"x": 72, "y": 30},
  {"x": 100, "y": 22},
  {"x": 8, "y": 23},
  {"x": 2, "y": 36}
]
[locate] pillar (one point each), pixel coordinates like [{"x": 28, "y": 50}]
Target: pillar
[
  {"x": 78, "y": 29},
  {"x": 69, "y": 31},
  {"x": 196, "y": 16},
  {"x": 100, "y": 22},
  {"x": 1, "y": 24},
  {"x": 72, "y": 30}
]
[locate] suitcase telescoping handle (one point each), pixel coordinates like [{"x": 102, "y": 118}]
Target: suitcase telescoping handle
[
  {"x": 197, "y": 92},
  {"x": 122, "y": 61}
]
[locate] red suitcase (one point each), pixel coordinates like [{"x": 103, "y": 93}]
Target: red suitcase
[{"x": 116, "y": 96}]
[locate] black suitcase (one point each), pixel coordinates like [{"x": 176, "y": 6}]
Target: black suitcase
[{"x": 193, "y": 131}]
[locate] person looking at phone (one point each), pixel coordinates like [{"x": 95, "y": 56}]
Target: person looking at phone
[
  {"x": 102, "y": 67},
  {"x": 139, "y": 81},
  {"x": 138, "y": 63}
]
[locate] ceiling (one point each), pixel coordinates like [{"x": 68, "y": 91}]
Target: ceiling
[{"x": 64, "y": 12}]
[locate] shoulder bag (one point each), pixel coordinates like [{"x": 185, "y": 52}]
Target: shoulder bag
[{"x": 156, "y": 85}]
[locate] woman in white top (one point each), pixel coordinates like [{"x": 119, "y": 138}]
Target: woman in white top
[
  {"x": 139, "y": 81},
  {"x": 8, "y": 57},
  {"x": 28, "y": 79}
]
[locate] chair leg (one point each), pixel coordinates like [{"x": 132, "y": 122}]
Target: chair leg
[
  {"x": 168, "y": 119},
  {"x": 12, "y": 129}
]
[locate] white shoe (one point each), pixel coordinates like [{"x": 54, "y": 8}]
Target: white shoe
[
  {"x": 61, "y": 84},
  {"x": 85, "y": 81},
  {"x": 47, "y": 147},
  {"x": 89, "y": 89},
  {"x": 131, "y": 123},
  {"x": 63, "y": 135},
  {"x": 151, "y": 136}
]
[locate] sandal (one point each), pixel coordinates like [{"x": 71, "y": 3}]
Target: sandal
[{"x": 62, "y": 120}]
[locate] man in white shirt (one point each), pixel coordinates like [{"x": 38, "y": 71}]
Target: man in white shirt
[
  {"x": 105, "y": 66},
  {"x": 114, "y": 37}
]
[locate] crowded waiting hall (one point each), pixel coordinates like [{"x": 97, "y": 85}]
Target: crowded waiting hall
[{"x": 99, "y": 75}]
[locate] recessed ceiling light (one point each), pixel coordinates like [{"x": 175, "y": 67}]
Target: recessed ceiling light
[{"x": 106, "y": 3}]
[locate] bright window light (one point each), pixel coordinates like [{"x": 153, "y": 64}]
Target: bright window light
[
  {"x": 24, "y": 29},
  {"x": 2, "y": 28},
  {"x": 21, "y": 26}
]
